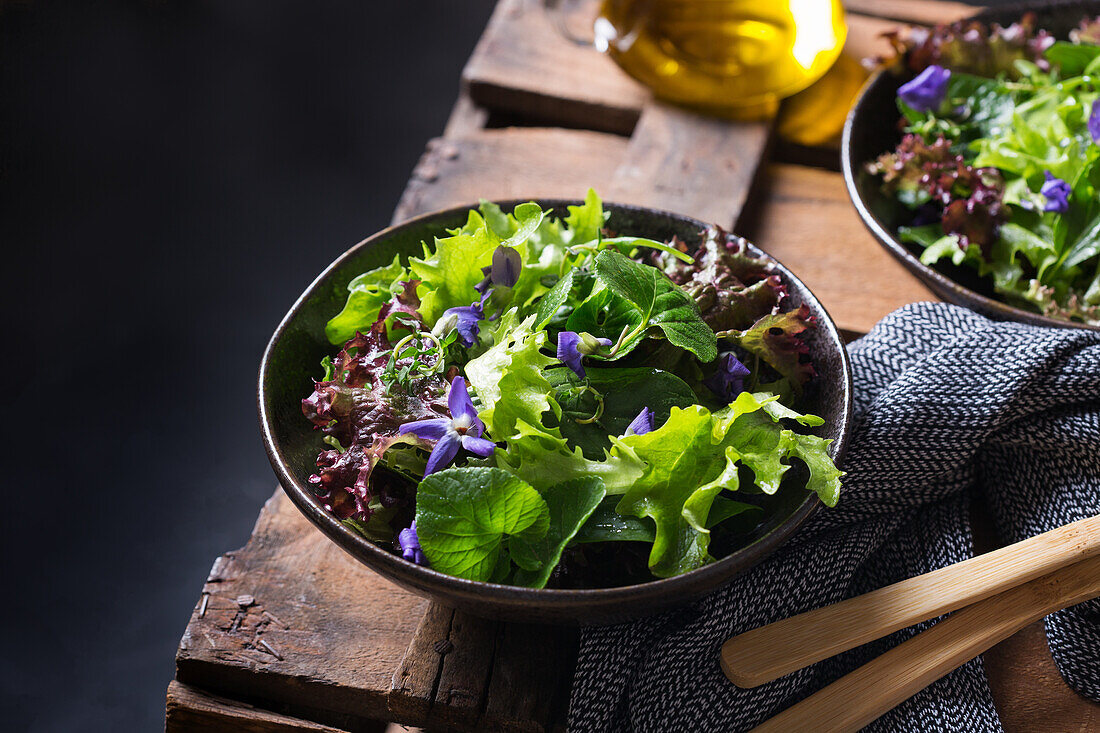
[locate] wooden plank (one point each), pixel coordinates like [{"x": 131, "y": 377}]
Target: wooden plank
[
  {"x": 467, "y": 117},
  {"x": 293, "y": 620},
  {"x": 464, "y": 678},
  {"x": 523, "y": 65},
  {"x": 189, "y": 709},
  {"x": 1030, "y": 694},
  {"x": 510, "y": 163},
  {"x": 803, "y": 218},
  {"x": 417, "y": 677},
  {"x": 683, "y": 162},
  {"x": 919, "y": 12},
  {"x": 865, "y": 40},
  {"x": 531, "y": 678}
]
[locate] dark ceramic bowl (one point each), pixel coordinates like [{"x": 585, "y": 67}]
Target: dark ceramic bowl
[
  {"x": 291, "y": 361},
  {"x": 871, "y": 130}
]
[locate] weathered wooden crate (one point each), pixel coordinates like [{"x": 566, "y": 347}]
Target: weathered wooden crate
[{"x": 289, "y": 634}]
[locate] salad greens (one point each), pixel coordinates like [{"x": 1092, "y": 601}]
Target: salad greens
[
  {"x": 540, "y": 396},
  {"x": 999, "y": 164}
]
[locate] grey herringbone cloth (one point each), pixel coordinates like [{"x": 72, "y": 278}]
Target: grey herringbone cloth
[{"x": 950, "y": 406}]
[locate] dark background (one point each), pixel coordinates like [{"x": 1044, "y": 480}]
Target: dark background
[{"x": 172, "y": 175}]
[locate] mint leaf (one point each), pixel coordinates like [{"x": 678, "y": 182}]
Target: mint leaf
[
  {"x": 659, "y": 300},
  {"x": 463, "y": 516},
  {"x": 570, "y": 504},
  {"x": 366, "y": 295}
]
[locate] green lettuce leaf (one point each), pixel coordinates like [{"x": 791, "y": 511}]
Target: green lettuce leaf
[
  {"x": 448, "y": 275},
  {"x": 366, "y": 296},
  {"x": 585, "y": 222},
  {"x": 696, "y": 454},
  {"x": 542, "y": 457},
  {"x": 616, "y": 395},
  {"x": 570, "y": 504},
  {"x": 659, "y": 301},
  {"x": 464, "y": 515},
  {"x": 508, "y": 377}
]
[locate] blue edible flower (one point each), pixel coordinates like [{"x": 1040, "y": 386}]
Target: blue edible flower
[
  {"x": 572, "y": 347},
  {"x": 504, "y": 272},
  {"x": 410, "y": 545},
  {"x": 465, "y": 319},
  {"x": 642, "y": 424},
  {"x": 1057, "y": 194},
  {"x": 927, "y": 90},
  {"x": 729, "y": 380},
  {"x": 1094, "y": 121},
  {"x": 462, "y": 429}
]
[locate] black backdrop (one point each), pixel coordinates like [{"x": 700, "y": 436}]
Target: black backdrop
[{"x": 172, "y": 174}]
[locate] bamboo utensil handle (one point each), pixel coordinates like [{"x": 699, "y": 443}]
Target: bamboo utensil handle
[
  {"x": 771, "y": 651},
  {"x": 863, "y": 695}
]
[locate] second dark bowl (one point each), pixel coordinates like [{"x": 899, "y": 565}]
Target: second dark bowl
[
  {"x": 291, "y": 361},
  {"x": 871, "y": 130}
]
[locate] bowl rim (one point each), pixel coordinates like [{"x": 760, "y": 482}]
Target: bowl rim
[
  {"x": 936, "y": 280},
  {"x": 393, "y": 565}
]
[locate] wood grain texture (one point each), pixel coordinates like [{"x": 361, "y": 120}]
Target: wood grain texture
[
  {"x": 769, "y": 652},
  {"x": 1029, "y": 692},
  {"x": 921, "y": 12},
  {"x": 865, "y": 694},
  {"x": 693, "y": 165},
  {"x": 474, "y": 674},
  {"x": 293, "y": 620},
  {"x": 189, "y": 709},
  {"x": 416, "y": 679},
  {"x": 522, "y": 65},
  {"x": 510, "y": 163},
  {"x": 803, "y": 217}
]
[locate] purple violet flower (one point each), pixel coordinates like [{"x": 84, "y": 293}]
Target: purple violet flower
[
  {"x": 410, "y": 545},
  {"x": 462, "y": 429},
  {"x": 729, "y": 380},
  {"x": 927, "y": 90},
  {"x": 1094, "y": 121},
  {"x": 572, "y": 347},
  {"x": 504, "y": 272},
  {"x": 642, "y": 424},
  {"x": 1057, "y": 194},
  {"x": 464, "y": 319}
]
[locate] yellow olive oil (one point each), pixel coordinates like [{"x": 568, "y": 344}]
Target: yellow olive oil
[{"x": 735, "y": 58}]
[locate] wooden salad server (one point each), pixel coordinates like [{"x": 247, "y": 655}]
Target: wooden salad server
[{"x": 769, "y": 652}]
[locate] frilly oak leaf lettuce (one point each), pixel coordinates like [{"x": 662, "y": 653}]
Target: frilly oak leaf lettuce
[
  {"x": 464, "y": 516},
  {"x": 624, "y": 453},
  {"x": 777, "y": 339}
]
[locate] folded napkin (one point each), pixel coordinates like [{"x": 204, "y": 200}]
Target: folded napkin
[{"x": 949, "y": 407}]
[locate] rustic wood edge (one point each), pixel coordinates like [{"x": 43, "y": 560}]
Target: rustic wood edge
[{"x": 189, "y": 709}]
